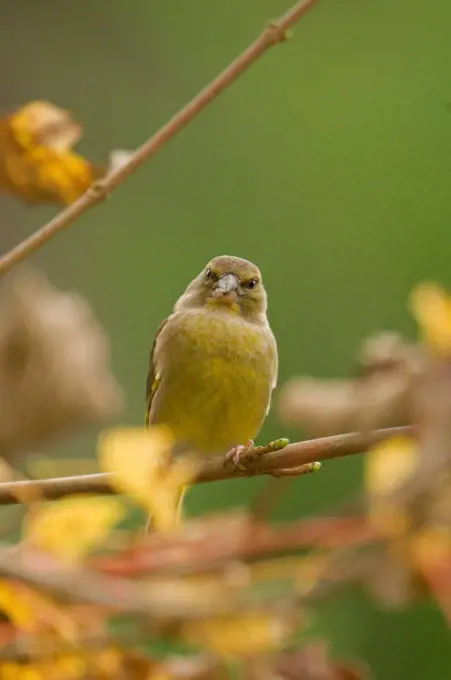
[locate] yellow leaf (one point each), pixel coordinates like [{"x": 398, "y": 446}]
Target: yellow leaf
[
  {"x": 70, "y": 528},
  {"x": 387, "y": 466},
  {"x": 160, "y": 673},
  {"x": 248, "y": 634},
  {"x": 37, "y": 162},
  {"x": 17, "y": 671},
  {"x": 41, "y": 122},
  {"x": 31, "y": 612},
  {"x": 142, "y": 468},
  {"x": 432, "y": 545},
  {"x": 134, "y": 456},
  {"x": 431, "y": 306},
  {"x": 79, "y": 665},
  {"x": 17, "y": 605},
  {"x": 103, "y": 663}
]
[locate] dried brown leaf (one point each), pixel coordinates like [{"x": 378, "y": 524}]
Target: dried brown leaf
[
  {"x": 389, "y": 578},
  {"x": 313, "y": 662},
  {"x": 200, "y": 667},
  {"x": 54, "y": 373},
  {"x": 380, "y": 397}
]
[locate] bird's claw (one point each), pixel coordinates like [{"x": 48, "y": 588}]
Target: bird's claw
[{"x": 238, "y": 454}]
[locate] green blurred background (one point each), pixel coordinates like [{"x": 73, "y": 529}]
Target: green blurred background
[{"x": 328, "y": 164}]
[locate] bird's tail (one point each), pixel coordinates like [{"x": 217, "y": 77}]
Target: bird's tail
[
  {"x": 178, "y": 449},
  {"x": 179, "y": 514}
]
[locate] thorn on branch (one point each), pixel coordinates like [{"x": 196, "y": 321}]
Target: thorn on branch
[
  {"x": 98, "y": 192},
  {"x": 277, "y": 33}
]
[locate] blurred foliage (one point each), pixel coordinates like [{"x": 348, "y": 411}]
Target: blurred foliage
[{"x": 327, "y": 164}]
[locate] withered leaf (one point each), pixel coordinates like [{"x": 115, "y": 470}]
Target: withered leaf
[
  {"x": 381, "y": 396},
  {"x": 72, "y": 527},
  {"x": 313, "y": 662},
  {"x": 54, "y": 373},
  {"x": 37, "y": 160},
  {"x": 154, "y": 480}
]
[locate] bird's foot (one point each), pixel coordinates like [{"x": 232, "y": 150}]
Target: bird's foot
[
  {"x": 240, "y": 456},
  {"x": 237, "y": 456}
]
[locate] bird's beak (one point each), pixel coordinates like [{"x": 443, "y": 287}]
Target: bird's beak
[{"x": 227, "y": 286}]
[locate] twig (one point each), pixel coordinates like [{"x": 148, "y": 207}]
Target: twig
[
  {"x": 154, "y": 600},
  {"x": 292, "y": 456},
  {"x": 92, "y": 588},
  {"x": 201, "y": 552},
  {"x": 274, "y": 33}
]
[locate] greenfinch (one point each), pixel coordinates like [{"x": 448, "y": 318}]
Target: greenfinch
[{"x": 213, "y": 363}]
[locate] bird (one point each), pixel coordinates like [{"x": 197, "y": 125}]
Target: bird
[{"x": 213, "y": 364}]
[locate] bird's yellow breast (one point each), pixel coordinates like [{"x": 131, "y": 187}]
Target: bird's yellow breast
[{"x": 215, "y": 377}]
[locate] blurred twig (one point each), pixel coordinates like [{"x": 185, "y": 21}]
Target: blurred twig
[
  {"x": 211, "y": 545},
  {"x": 292, "y": 456},
  {"x": 159, "y": 600},
  {"x": 275, "y": 32}
]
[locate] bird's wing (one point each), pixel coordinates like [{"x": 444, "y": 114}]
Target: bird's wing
[
  {"x": 153, "y": 375},
  {"x": 275, "y": 374},
  {"x": 276, "y": 366}
]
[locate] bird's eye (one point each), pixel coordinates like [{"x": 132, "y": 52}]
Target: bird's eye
[
  {"x": 208, "y": 274},
  {"x": 251, "y": 283}
]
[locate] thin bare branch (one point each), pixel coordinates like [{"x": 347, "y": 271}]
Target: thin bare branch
[
  {"x": 157, "y": 600},
  {"x": 292, "y": 456},
  {"x": 275, "y": 32},
  {"x": 122, "y": 595},
  {"x": 206, "y": 546}
]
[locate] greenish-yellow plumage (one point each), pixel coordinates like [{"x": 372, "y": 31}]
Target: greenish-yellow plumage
[{"x": 213, "y": 363}]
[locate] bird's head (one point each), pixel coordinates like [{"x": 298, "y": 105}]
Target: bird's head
[{"x": 230, "y": 284}]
